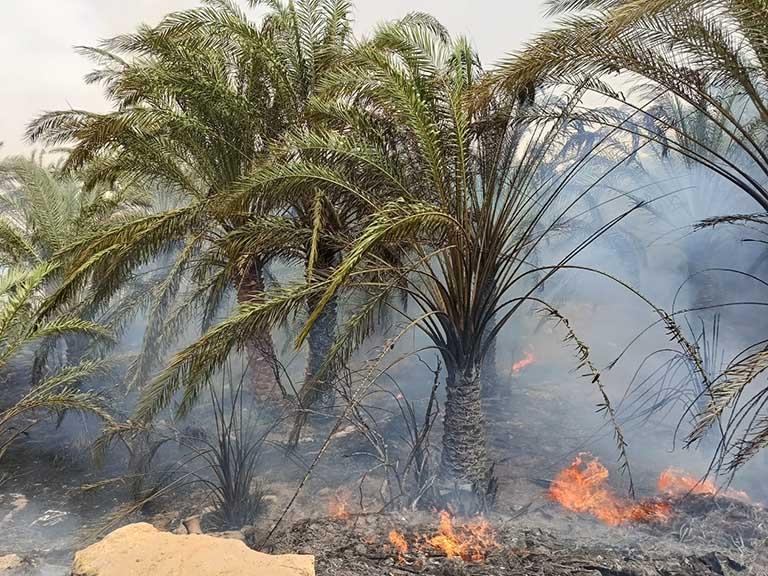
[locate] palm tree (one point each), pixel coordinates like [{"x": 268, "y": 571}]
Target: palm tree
[
  {"x": 20, "y": 297},
  {"x": 42, "y": 212},
  {"x": 199, "y": 101},
  {"x": 704, "y": 67},
  {"x": 452, "y": 188},
  {"x": 709, "y": 55}
]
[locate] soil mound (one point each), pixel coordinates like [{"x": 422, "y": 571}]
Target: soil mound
[{"x": 140, "y": 549}]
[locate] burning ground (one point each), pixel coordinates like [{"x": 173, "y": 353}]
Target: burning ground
[
  {"x": 684, "y": 530},
  {"x": 577, "y": 526},
  {"x": 559, "y": 511},
  {"x": 532, "y": 546}
]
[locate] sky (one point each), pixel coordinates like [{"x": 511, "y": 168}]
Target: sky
[{"x": 40, "y": 71}]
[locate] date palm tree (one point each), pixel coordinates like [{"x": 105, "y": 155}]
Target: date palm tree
[
  {"x": 42, "y": 212},
  {"x": 456, "y": 189},
  {"x": 198, "y": 102},
  {"x": 709, "y": 55}
]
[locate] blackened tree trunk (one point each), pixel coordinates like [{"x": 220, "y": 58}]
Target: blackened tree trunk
[
  {"x": 465, "y": 454},
  {"x": 317, "y": 388},
  {"x": 262, "y": 360}
]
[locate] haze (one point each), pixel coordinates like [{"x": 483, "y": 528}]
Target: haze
[{"x": 40, "y": 70}]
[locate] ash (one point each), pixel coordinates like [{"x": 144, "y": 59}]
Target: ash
[{"x": 707, "y": 537}]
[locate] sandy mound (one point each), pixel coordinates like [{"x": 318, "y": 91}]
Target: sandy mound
[{"x": 141, "y": 549}]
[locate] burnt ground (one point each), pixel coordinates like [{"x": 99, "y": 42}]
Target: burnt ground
[
  {"x": 534, "y": 435},
  {"x": 358, "y": 546},
  {"x": 45, "y": 514},
  {"x": 705, "y": 538}
]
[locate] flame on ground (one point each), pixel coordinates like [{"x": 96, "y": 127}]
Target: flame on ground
[
  {"x": 673, "y": 482},
  {"x": 400, "y": 545},
  {"x": 338, "y": 508},
  {"x": 527, "y": 360},
  {"x": 583, "y": 487},
  {"x": 471, "y": 541}
]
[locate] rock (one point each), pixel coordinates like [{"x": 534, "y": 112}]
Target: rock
[
  {"x": 140, "y": 550},
  {"x": 10, "y": 562}
]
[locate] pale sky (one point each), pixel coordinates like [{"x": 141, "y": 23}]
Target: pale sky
[{"x": 40, "y": 71}]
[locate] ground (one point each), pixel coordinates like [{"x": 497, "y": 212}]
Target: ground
[{"x": 46, "y": 512}]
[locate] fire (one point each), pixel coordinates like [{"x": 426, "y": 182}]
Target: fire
[
  {"x": 582, "y": 487},
  {"x": 338, "y": 508},
  {"x": 399, "y": 543},
  {"x": 674, "y": 482},
  {"x": 527, "y": 360},
  {"x": 471, "y": 541}
]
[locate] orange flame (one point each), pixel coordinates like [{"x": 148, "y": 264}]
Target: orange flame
[
  {"x": 471, "y": 541},
  {"x": 527, "y": 360},
  {"x": 399, "y": 543},
  {"x": 673, "y": 482},
  {"x": 338, "y": 508},
  {"x": 582, "y": 487}
]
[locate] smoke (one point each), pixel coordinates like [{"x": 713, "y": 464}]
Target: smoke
[
  {"x": 696, "y": 275},
  {"x": 551, "y": 407}
]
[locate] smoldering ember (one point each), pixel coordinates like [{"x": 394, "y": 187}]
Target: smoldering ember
[{"x": 298, "y": 287}]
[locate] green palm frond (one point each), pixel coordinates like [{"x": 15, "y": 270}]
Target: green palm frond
[
  {"x": 162, "y": 301},
  {"x": 20, "y": 328},
  {"x": 190, "y": 369},
  {"x": 112, "y": 255},
  {"x": 57, "y": 394},
  {"x": 395, "y": 222},
  {"x": 20, "y": 324},
  {"x": 703, "y": 53}
]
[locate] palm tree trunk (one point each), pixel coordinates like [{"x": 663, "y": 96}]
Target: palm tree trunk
[
  {"x": 465, "y": 455},
  {"x": 262, "y": 360},
  {"x": 317, "y": 387}
]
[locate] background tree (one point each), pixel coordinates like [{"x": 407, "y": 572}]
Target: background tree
[
  {"x": 42, "y": 212},
  {"x": 705, "y": 66},
  {"x": 709, "y": 55}
]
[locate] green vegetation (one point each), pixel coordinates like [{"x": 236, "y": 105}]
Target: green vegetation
[
  {"x": 42, "y": 213},
  {"x": 407, "y": 183}
]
